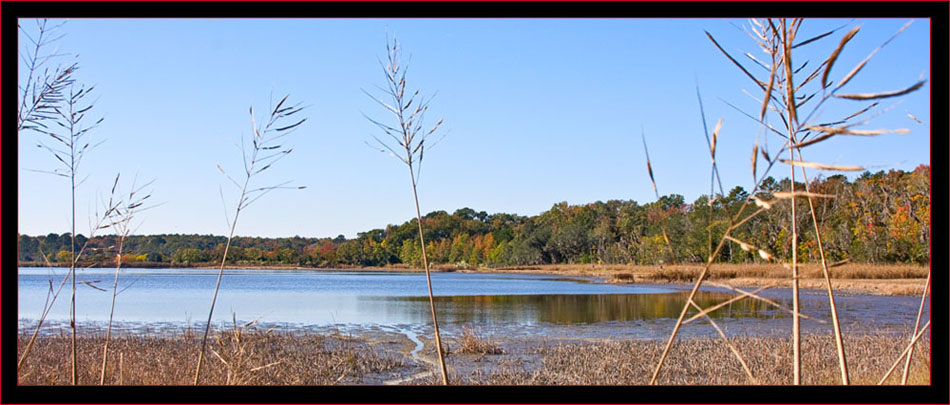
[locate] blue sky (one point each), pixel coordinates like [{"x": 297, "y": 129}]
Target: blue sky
[{"x": 537, "y": 111}]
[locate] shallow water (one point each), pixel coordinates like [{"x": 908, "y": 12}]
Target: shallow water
[
  {"x": 174, "y": 300},
  {"x": 323, "y": 298}
]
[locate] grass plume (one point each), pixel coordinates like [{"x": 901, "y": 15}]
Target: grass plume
[{"x": 44, "y": 90}]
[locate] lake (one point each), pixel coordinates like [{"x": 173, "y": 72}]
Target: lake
[{"x": 173, "y": 299}]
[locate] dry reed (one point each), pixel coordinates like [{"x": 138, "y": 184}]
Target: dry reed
[
  {"x": 263, "y": 139},
  {"x": 777, "y": 38},
  {"x": 408, "y": 139},
  {"x": 56, "y": 98},
  {"x": 121, "y": 214}
]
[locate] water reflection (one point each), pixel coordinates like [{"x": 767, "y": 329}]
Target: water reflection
[
  {"x": 563, "y": 309},
  {"x": 330, "y": 298}
]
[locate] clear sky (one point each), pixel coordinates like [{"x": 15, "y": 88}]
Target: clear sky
[{"x": 537, "y": 111}]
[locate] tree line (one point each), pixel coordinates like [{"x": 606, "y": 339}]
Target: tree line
[{"x": 881, "y": 217}]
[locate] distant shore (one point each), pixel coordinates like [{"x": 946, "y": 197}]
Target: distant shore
[
  {"x": 886, "y": 279},
  {"x": 215, "y": 266}
]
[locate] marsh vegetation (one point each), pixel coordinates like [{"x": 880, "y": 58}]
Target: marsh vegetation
[{"x": 803, "y": 231}]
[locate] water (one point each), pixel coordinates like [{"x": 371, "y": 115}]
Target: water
[{"x": 170, "y": 299}]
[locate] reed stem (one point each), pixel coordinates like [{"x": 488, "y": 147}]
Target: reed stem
[
  {"x": 909, "y": 347},
  {"x": 839, "y": 340},
  {"x": 217, "y": 284},
  {"x": 115, "y": 289},
  {"x": 425, "y": 264},
  {"x": 72, "y": 247},
  {"x": 920, "y": 312}
]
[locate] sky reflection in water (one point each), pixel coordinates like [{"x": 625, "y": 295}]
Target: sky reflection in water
[{"x": 328, "y": 298}]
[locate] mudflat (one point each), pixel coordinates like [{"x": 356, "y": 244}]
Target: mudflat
[{"x": 262, "y": 357}]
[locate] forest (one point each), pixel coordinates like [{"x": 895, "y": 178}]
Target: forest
[{"x": 881, "y": 217}]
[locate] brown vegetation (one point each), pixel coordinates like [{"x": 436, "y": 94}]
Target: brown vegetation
[
  {"x": 471, "y": 342},
  {"x": 887, "y": 279},
  {"x": 238, "y": 357},
  {"x": 697, "y": 361},
  {"x": 257, "y": 357}
]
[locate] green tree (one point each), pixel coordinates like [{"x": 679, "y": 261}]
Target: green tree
[
  {"x": 64, "y": 256},
  {"x": 189, "y": 255},
  {"x": 410, "y": 253}
]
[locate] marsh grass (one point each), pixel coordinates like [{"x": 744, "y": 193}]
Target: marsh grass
[
  {"x": 808, "y": 271},
  {"x": 245, "y": 355},
  {"x": 910, "y": 349},
  {"x": 621, "y": 278},
  {"x": 254, "y": 357},
  {"x": 314, "y": 359},
  {"x": 877, "y": 279},
  {"x": 473, "y": 342},
  {"x": 697, "y": 361}
]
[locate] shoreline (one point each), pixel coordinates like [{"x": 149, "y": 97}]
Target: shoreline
[{"x": 890, "y": 279}]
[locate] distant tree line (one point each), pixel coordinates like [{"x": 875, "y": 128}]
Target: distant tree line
[{"x": 878, "y": 218}]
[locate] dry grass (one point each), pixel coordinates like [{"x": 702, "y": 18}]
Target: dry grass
[
  {"x": 471, "y": 342},
  {"x": 621, "y": 278},
  {"x": 725, "y": 270},
  {"x": 253, "y": 358},
  {"x": 806, "y": 271},
  {"x": 570, "y": 268},
  {"x": 700, "y": 362},
  {"x": 854, "y": 278},
  {"x": 854, "y": 286},
  {"x": 308, "y": 359},
  {"x": 881, "y": 279}
]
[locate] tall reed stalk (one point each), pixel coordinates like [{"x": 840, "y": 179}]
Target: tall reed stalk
[
  {"x": 121, "y": 214},
  {"x": 785, "y": 98},
  {"x": 408, "y": 146},
  {"x": 787, "y": 36},
  {"x": 42, "y": 97},
  {"x": 839, "y": 337},
  {"x": 71, "y": 146},
  {"x": 263, "y": 139}
]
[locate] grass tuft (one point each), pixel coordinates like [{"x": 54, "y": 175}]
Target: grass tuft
[{"x": 471, "y": 342}]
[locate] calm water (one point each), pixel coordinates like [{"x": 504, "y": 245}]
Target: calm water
[{"x": 309, "y": 299}]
